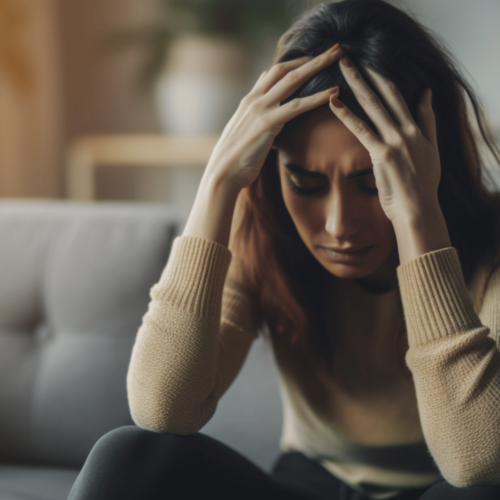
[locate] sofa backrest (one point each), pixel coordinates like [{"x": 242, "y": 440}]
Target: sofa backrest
[{"x": 74, "y": 285}]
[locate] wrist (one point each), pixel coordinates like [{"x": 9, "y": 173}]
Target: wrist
[
  {"x": 212, "y": 211},
  {"x": 219, "y": 186},
  {"x": 421, "y": 233}
]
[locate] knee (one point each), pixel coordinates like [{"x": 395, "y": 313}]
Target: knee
[
  {"x": 123, "y": 440},
  {"x": 134, "y": 444},
  {"x": 444, "y": 490},
  {"x": 129, "y": 462}
]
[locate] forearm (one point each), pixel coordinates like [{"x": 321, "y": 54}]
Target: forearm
[
  {"x": 422, "y": 233},
  {"x": 172, "y": 376},
  {"x": 455, "y": 364},
  {"x": 212, "y": 212}
]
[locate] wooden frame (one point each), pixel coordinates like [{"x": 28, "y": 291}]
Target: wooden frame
[{"x": 86, "y": 153}]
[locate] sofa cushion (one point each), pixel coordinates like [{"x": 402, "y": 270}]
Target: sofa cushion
[
  {"x": 35, "y": 483},
  {"x": 75, "y": 281}
]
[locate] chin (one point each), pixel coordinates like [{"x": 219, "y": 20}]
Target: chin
[
  {"x": 347, "y": 272},
  {"x": 350, "y": 265},
  {"x": 344, "y": 270}
]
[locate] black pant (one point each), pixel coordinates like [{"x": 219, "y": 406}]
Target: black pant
[{"x": 131, "y": 463}]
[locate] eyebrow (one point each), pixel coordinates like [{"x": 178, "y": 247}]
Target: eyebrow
[{"x": 309, "y": 173}]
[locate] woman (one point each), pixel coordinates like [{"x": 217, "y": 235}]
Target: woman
[{"x": 362, "y": 237}]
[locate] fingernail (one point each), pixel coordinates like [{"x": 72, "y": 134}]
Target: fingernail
[
  {"x": 346, "y": 62},
  {"x": 334, "y": 90},
  {"x": 336, "y": 103},
  {"x": 334, "y": 48}
]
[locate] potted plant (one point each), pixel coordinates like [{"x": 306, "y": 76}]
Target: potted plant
[{"x": 200, "y": 56}]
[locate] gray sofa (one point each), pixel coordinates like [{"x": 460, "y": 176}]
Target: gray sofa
[{"x": 74, "y": 285}]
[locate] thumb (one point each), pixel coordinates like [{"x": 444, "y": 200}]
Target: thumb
[{"x": 427, "y": 118}]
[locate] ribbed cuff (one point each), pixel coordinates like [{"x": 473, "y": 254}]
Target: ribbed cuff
[
  {"x": 194, "y": 276},
  {"x": 435, "y": 299}
]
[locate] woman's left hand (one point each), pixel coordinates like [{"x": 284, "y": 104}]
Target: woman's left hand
[{"x": 404, "y": 154}]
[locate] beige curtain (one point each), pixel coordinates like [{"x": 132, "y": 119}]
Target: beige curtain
[{"x": 30, "y": 100}]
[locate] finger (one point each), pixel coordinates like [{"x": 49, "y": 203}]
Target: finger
[
  {"x": 427, "y": 118},
  {"x": 273, "y": 74},
  {"x": 368, "y": 100},
  {"x": 288, "y": 83},
  {"x": 393, "y": 98},
  {"x": 261, "y": 77},
  {"x": 356, "y": 125},
  {"x": 295, "y": 107}
]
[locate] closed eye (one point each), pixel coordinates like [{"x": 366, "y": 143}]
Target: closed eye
[{"x": 302, "y": 191}]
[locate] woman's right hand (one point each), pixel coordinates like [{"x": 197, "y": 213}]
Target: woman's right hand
[
  {"x": 248, "y": 136},
  {"x": 240, "y": 152}
]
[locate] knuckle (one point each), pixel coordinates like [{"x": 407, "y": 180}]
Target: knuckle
[
  {"x": 295, "y": 104},
  {"x": 246, "y": 100},
  {"x": 360, "y": 128},
  {"x": 397, "y": 140},
  {"x": 319, "y": 96},
  {"x": 292, "y": 76},
  {"x": 279, "y": 69},
  {"x": 392, "y": 89},
  {"x": 303, "y": 59},
  {"x": 317, "y": 61},
  {"x": 254, "y": 107},
  {"x": 411, "y": 131},
  {"x": 371, "y": 100},
  {"x": 387, "y": 153},
  {"x": 356, "y": 75}
]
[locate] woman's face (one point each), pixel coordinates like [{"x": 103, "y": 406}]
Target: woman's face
[{"x": 331, "y": 210}]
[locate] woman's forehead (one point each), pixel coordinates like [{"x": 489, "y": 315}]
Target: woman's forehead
[{"x": 317, "y": 134}]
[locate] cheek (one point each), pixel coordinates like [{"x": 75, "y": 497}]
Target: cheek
[
  {"x": 380, "y": 220},
  {"x": 306, "y": 213}
]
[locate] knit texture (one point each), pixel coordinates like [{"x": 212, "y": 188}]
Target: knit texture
[
  {"x": 455, "y": 361},
  {"x": 200, "y": 325}
]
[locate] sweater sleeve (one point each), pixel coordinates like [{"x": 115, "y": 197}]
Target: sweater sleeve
[
  {"x": 455, "y": 361},
  {"x": 193, "y": 339}
]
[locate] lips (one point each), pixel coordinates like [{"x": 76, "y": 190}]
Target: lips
[
  {"x": 347, "y": 250},
  {"x": 346, "y": 257}
]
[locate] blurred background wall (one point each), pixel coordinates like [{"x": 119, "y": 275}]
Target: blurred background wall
[
  {"x": 100, "y": 95},
  {"x": 65, "y": 88},
  {"x": 30, "y": 99},
  {"x": 470, "y": 29},
  {"x": 99, "y": 92}
]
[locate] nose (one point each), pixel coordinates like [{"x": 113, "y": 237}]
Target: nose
[{"x": 341, "y": 215}]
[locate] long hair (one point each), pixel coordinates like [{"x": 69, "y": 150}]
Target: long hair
[{"x": 270, "y": 254}]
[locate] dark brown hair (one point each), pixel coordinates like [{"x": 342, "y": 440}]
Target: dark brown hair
[{"x": 272, "y": 258}]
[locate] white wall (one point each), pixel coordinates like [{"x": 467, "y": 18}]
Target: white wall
[{"x": 471, "y": 31}]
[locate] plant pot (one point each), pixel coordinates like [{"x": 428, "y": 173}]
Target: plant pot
[{"x": 202, "y": 83}]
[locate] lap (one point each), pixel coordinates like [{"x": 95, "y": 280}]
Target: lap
[
  {"x": 131, "y": 462},
  {"x": 445, "y": 491},
  {"x": 298, "y": 472}
]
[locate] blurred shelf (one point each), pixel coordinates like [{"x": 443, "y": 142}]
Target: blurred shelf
[{"x": 87, "y": 153}]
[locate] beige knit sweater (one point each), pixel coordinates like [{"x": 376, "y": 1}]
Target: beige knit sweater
[{"x": 372, "y": 428}]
